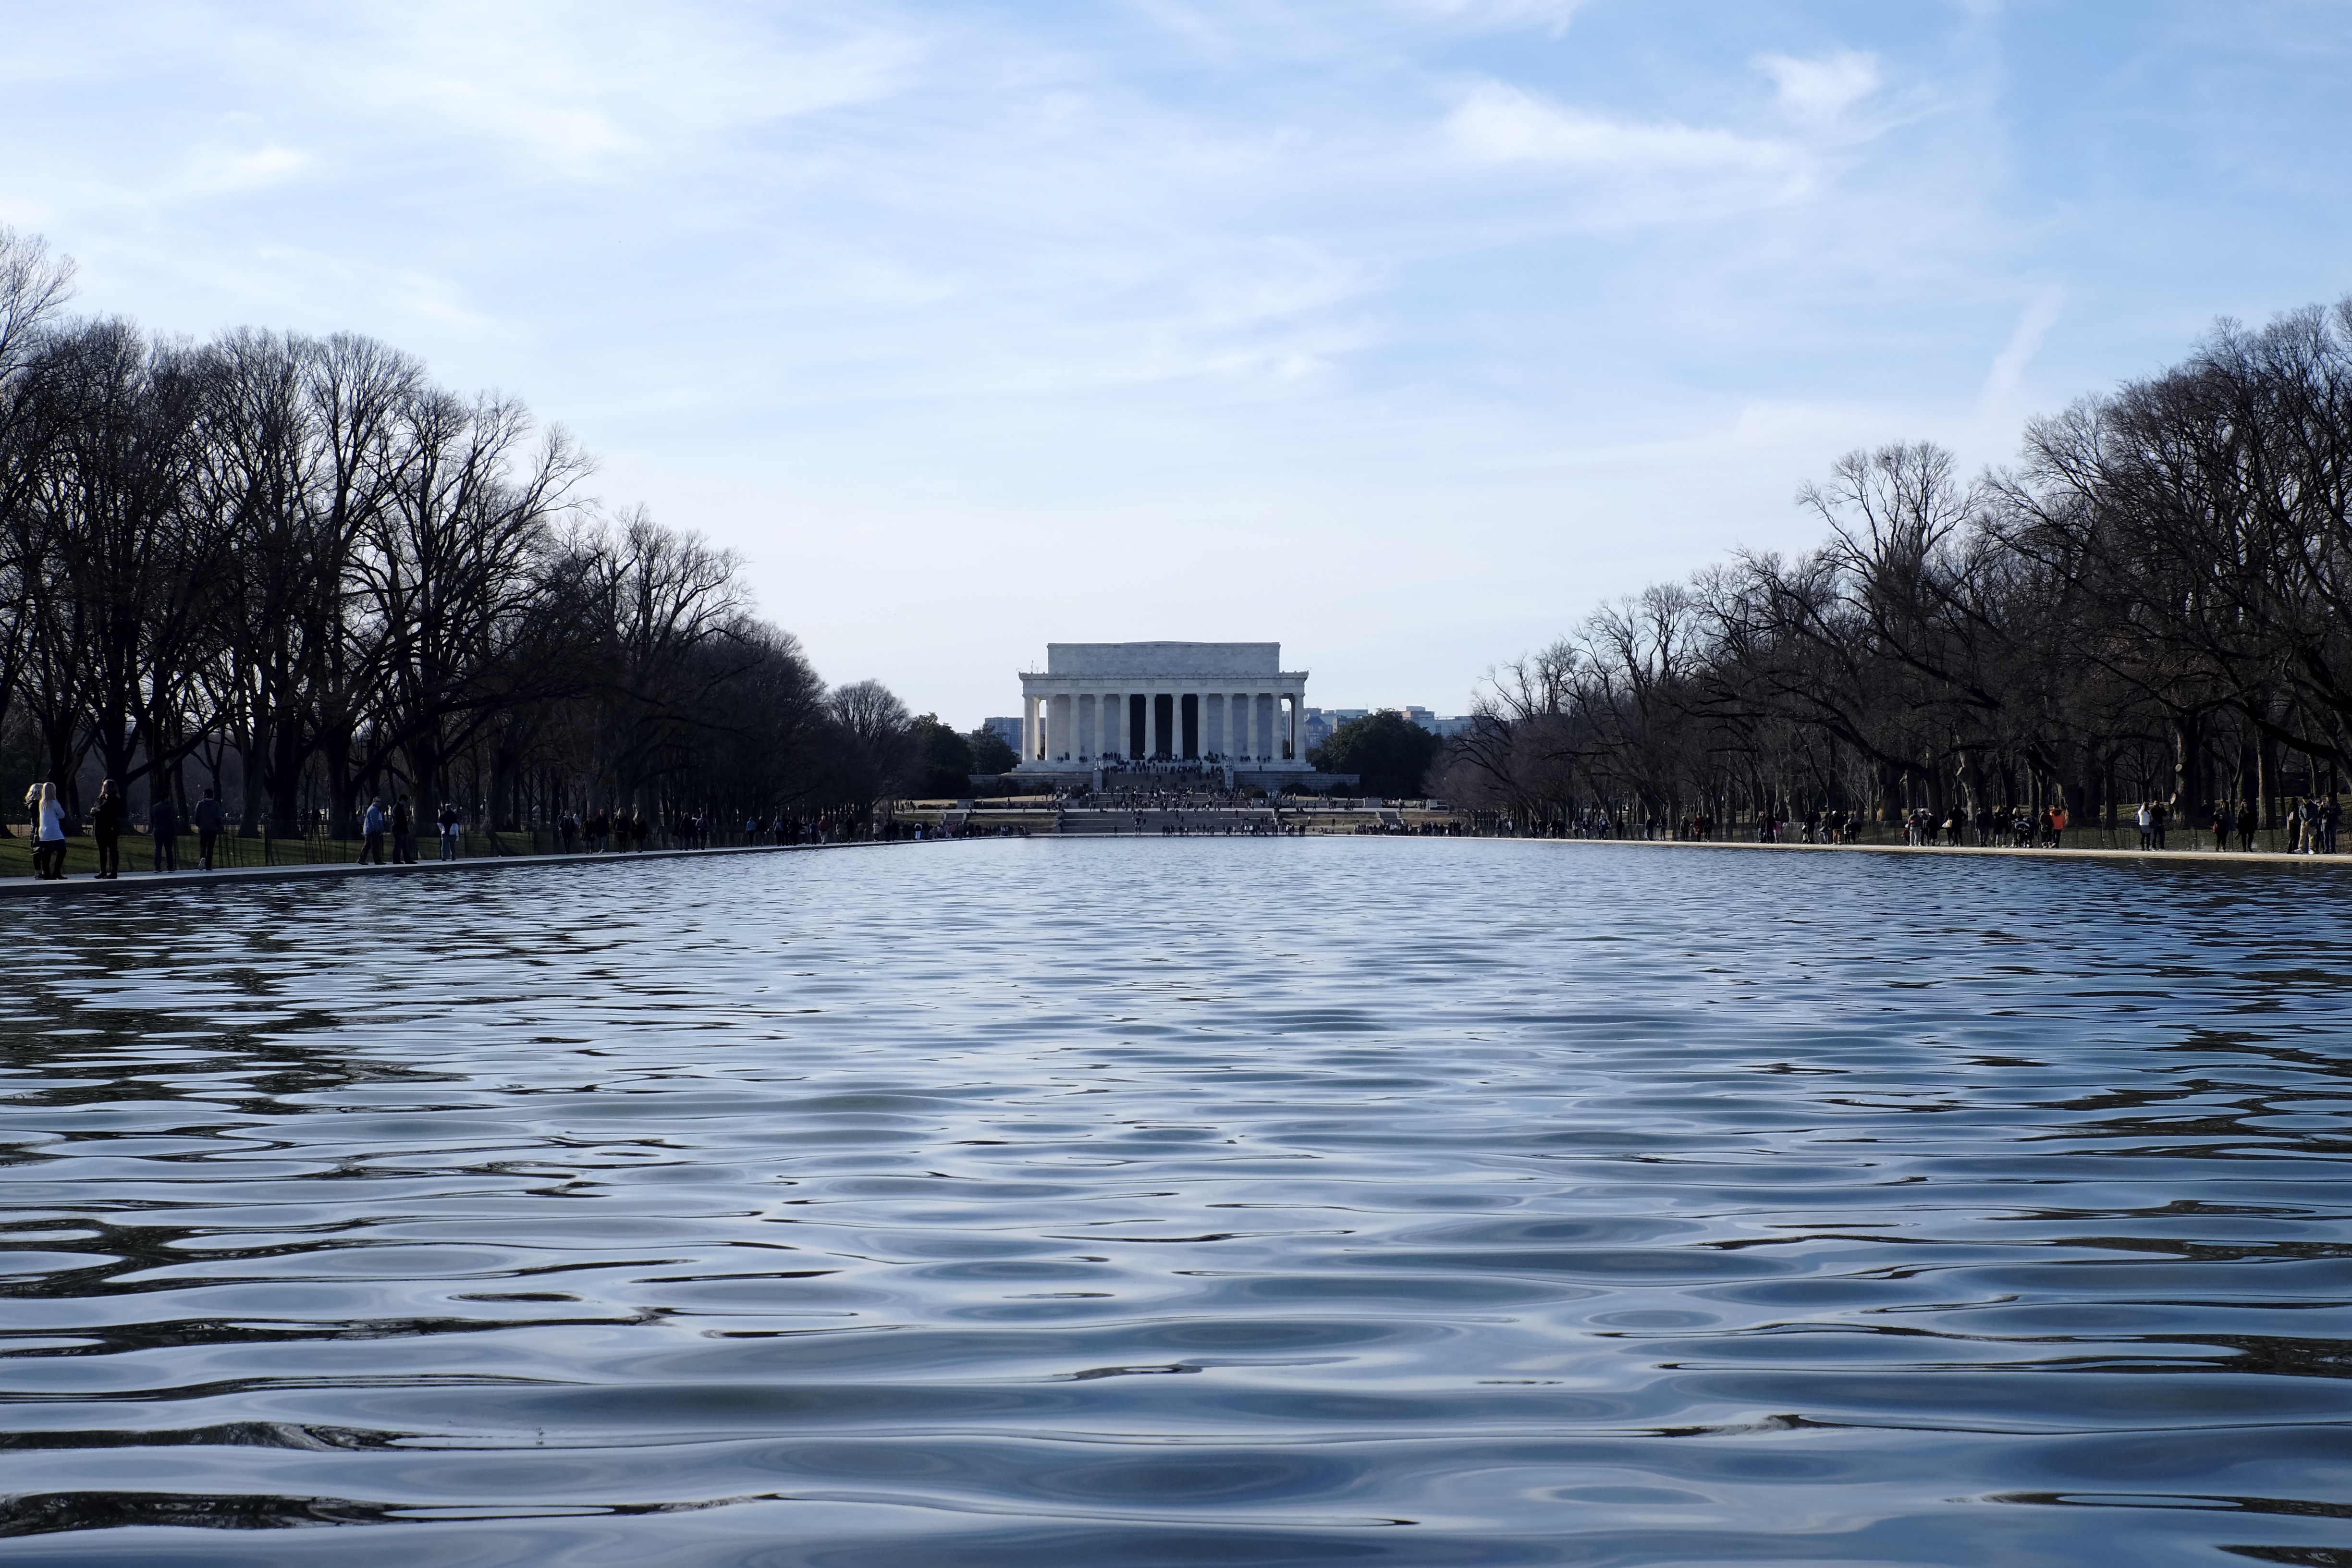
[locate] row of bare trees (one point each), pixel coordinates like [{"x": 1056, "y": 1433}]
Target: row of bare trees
[
  {"x": 2153, "y": 603},
  {"x": 299, "y": 564}
]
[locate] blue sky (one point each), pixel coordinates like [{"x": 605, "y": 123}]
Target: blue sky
[{"x": 1400, "y": 330}]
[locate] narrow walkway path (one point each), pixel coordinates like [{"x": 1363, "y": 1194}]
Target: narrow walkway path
[
  {"x": 2184, "y": 856},
  {"x": 190, "y": 880}
]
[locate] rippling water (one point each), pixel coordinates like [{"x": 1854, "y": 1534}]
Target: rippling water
[{"x": 1219, "y": 1202}]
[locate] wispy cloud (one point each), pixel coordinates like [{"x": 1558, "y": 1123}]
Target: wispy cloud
[
  {"x": 1816, "y": 94},
  {"x": 1501, "y": 123},
  {"x": 586, "y": 91},
  {"x": 1553, "y": 15},
  {"x": 1997, "y": 400},
  {"x": 213, "y": 170},
  {"x": 1242, "y": 276}
]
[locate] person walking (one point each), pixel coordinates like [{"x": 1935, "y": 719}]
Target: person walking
[
  {"x": 2223, "y": 821},
  {"x": 48, "y": 835},
  {"x": 163, "y": 826},
  {"x": 404, "y": 833},
  {"x": 2247, "y": 823},
  {"x": 207, "y": 817},
  {"x": 106, "y": 830},
  {"x": 449, "y": 821},
  {"x": 372, "y": 833}
]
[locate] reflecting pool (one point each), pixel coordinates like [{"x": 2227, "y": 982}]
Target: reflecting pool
[{"x": 1211, "y": 1201}]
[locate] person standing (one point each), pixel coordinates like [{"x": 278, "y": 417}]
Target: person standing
[
  {"x": 371, "y": 831},
  {"x": 449, "y": 822},
  {"x": 2246, "y": 826},
  {"x": 207, "y": 817},
  {"x": 404, "y": 833},
  {"x": 33, "y": 816},
  {"x": 106, "y": 831},
  {"x": 2223, "y": 821},
  {"x": 48, "y": 835},
  {"x": 163, "y": 826}
]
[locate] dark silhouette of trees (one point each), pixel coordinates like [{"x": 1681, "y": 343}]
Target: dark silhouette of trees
[
  {"x": 870, "y": 752},
  {"x": 946, "y": 759},
  {"x": 298, "y": 560},
  {"x": 1387, "y": 749},
  {"x": 991, "y": 753},
  {"x": 2155, "y": 603}
]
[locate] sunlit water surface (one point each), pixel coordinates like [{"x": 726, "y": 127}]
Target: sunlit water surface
[{"x": 1132, "y": 1203}]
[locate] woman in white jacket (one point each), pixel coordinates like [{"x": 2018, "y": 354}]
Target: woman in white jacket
[{"x": 49, "y": 837}]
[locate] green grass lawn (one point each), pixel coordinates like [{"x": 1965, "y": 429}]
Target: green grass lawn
[{"x": 138, "y": 851}]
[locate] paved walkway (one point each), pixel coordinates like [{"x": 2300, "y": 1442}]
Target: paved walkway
[
  {"x": 187, "y": 881},
  {"x": 2178, "y": 856}
]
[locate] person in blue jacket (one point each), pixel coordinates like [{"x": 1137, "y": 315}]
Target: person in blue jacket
[{"x": 371, "y": 849}]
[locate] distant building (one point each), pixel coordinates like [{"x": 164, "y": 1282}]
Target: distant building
[
  {"x": 1227, "y": 704},
  {"x": 1005, "y": 729},
  {"x": 1321, "y": 722}
]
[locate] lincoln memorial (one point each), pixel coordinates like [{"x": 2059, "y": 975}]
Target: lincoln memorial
[{"x": 1225, "y": 704}]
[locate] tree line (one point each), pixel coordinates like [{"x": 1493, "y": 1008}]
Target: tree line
[
  {"x": 2154, "y": 603},
  {"x": 298, "y": 563}
]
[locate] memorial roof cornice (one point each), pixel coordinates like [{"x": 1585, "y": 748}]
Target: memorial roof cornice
[{"x": 1176, "y": 675}]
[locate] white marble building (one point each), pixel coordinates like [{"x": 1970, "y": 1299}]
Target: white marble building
[{"x": 1217, "y": 703}]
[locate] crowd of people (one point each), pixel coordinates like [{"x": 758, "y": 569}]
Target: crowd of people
[
  {"x": 109, "y": 818},
  {"x": 390, "y": 831},
  {"x": 2309, "y": 823}
]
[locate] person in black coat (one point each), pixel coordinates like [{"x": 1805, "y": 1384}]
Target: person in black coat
[
  {"x": 209, "y": 826},
  {"x": 165, "y": 827},
  {"x": 106, "y": 831}
]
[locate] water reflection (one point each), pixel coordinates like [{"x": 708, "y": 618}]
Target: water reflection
[{"x": 1139, "y": 1203}]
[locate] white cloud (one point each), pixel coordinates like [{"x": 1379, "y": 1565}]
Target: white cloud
[
  {"x": 1553, "y": 15},
  {"x": 222, "y": 171},
  {"x": 582, "y": 91},
  {"x": 1995, "y": 402},
  {"x": 1501, "y": 123},
  {"x": 1816, "y": 94}
]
